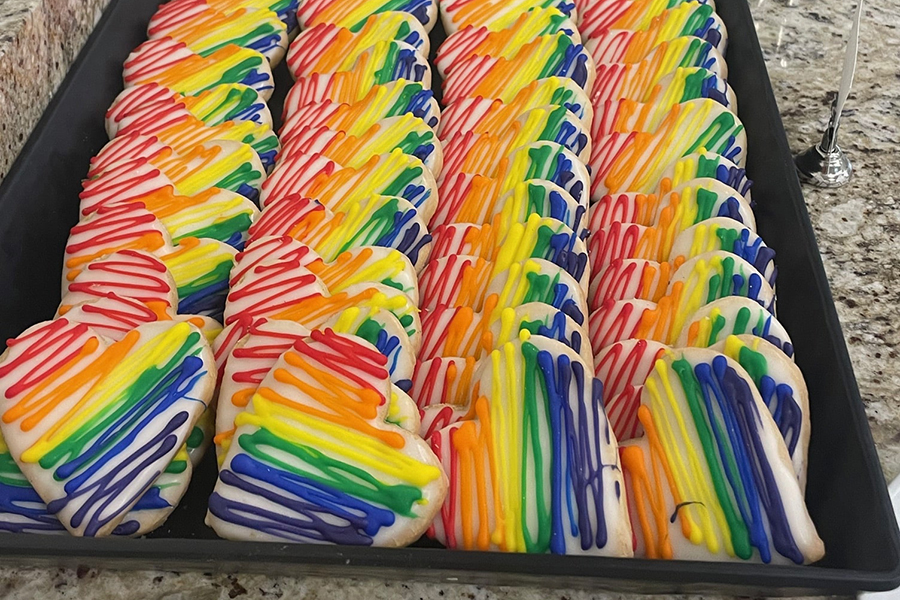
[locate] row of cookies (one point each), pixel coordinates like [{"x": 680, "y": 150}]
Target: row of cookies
[
  {"x": 109, "y": 407},
  {"x": 316, "y": 437},
  {"x": 504, "y": 380},
  {"x": 710, "y": 411}
]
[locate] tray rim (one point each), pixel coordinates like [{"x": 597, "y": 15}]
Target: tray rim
[{"x": 622, "y": 574}]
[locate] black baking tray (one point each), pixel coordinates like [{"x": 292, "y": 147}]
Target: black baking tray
[{"x": 846, "y": 493}]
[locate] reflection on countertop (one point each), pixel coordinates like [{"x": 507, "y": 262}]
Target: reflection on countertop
[{"x": 857, "y": 227}]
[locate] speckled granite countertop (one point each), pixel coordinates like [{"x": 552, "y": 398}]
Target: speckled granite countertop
[{"x": 857, "y": 228}]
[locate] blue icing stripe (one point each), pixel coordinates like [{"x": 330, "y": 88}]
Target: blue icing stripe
[
  {"x": 208, "y": 301},
  {"x": 318, "y": 504},
  {"x": 28, "y": 509},
  {"x": 577, "y": 490},
  {"x": 88, "y": 451}
]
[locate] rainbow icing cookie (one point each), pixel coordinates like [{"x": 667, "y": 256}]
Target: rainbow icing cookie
[
  {"x": 134, "y": 164},
  {"x": 460, "y": 331},
  {"x": 353, "y": 14},
  {"x": 383, "y": 63},
  {"x": 733, "y": 316},
  {"x": 380, "y": 63},
  {"x": 286, "y": 290},
  {"x": 127, "y": 226},
  {"x": 200, "y": 268},
  {"x": 469, "y": 281},
  {"x": 724, "y": 472},
  {"x": 679, "y": 292},
  {"x": 622, "y": 313},
  {"x": 286, "y": 9},
  {"x": 537, "y": 237},
  {"x": 215, "y": 214},
  {"x": 487, "y": 115},
  {"x": 618, "y": 320},
  {"x": 722, "y": 233},
  {"x": 147, "y": 105},
  {"x": 534, "y": 468},
  {"x": 466, "y": 192},
  {"x": 264, "y": 340},
  {"x": 629, "y": 162},
  {"x": 358, "y": 265},
  {"x": 647, "y": 82},
  {"x": 668, "y": 242},
  {"x": 478, "y": 153},
  {"x": 626, "y": 45},
  {"x": 547, "y": 56},
  {"x": 130, "y": 274},
  {"x": 501, "y": 44},
  {"x": 175, "y": 66},
  {"x": 317, "y": 462},
  {"x": 251, "y": 357},
  {"x": 207, "y": 30},
  {"x": 644, "y": 15},
  {"x": 690, "y": 203},
  {"x": 700, "y": 165},
  {"x": 531, "y": 197},
  {"x": 395, "y": 174},
  {"x": 381, "y": 102},
  {"x": 713, "y": 275},
  {"x": 56, "y": 435},
  {"x": 485, "y": 41},
  {"x": 328, "y": 48},
  {"x": 622, "y": 368},
  {"x": 639, "y": 46},
  {"x": 386, "y": 221},
  {"x": 189, "y": 133},
  {"x": 623, "y": 116},
  {"x": 630, "y": 278},
  {"x": 782, "y": 388},
  {"x": 495, "y": 14},
  {"x": 406, "y": 132}
]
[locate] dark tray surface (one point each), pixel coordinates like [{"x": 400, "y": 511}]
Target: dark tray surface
[{"x": 846, "y": 494}]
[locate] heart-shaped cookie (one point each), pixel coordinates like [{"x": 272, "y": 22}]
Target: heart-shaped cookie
[
  {"x": 138, "y": 159},
  {"x": 468, "y": 193},
  {"x": 382, "y": 101},
  {"x": 206, "y": 30},
  {"x": 145, "y": 105},
  {"x": 175, "y": 66},
  {"x": 496, "y": 14},
  {"x": 689, "y": 203},
  {"x": 200, "y": 268},
  {"x": 315, "y": 461},
  {"x": 687, "y": 128},
  {"x": 471, "y": 281},
  {"x": 712, "y": 476},
  {"x": 405, "y": 132},
  {"x": 536, "y": 237},
  {"x": 483, "y": 40},
  {"x": 487, "y": 114},
  {"x": 385, "y": 221},
  {"x": 533, "y": 466},
  {"x": 251, "y": 357},
  {"x": 733, "y": 315},
  {"x": 545, "y": 56},
  {"x": 357, "y": 265},
  {"x": 93, "y": 423},
  {"x": 314, "y": 176},
  {"x": 327, "y": 48},
  {"x": 353, "y": 15}
]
